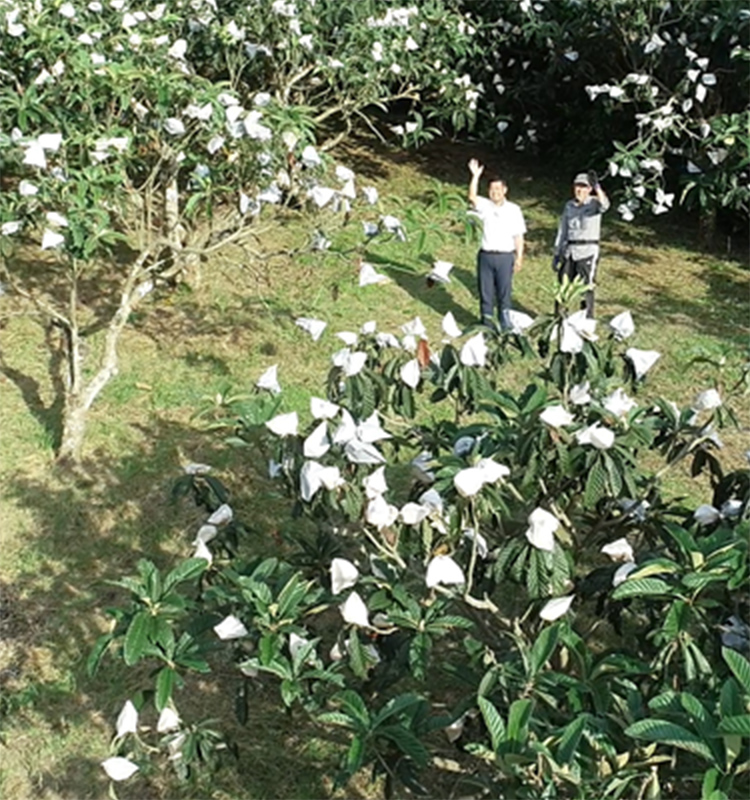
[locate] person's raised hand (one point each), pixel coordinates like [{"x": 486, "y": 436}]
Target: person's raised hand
[{"x": 475, "y": 167}]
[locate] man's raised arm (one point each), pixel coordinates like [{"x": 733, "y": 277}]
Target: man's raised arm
[{"x": 476, "y": 170}]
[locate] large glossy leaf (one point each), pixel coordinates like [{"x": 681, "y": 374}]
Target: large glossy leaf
[
  {"x": 151, "y": 579},
  {"x": 358, "y": 660},
  {"x": 136, "y": 637},
  {"x": 187, "y": 570},
  {"x": 656, "y": 566},
  {"x": 395, "y": 706},
  {"x": 543, "y": 648},
  {"x": 701, "y": 721},
  {"x": 570, "y": 739},
  {"x": 354, "y": 706},
  {"x": 164, "y": 684},
  {"x": 739, "y": 665},
  {"x": 355, "y": 755},
  {"x": 730, "y": 698},
  {"x": 739, "y": 725},
  {"x": 493, "y": 721},
  {"x": 643, "y": 587},
  {"x": 335, "y": 718},
  {"x": 518, "y": 719},
  {"x": 406, "y": 742},
  {"x": 670, "y": 734},
  {"x": 596, "y": 485},
  {"x": 100, "y": 648}
]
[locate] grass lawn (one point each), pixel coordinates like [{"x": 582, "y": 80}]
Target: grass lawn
[{"x": 61, "y": 536}]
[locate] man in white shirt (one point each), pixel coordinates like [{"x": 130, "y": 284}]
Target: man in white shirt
[{"x": 501, "y": 253}]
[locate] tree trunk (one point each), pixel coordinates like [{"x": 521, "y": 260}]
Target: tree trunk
[
  {"x": 80, "y": 396},
  {"x": 75, "y": 415},
  {"x": 185, "y": 265}
]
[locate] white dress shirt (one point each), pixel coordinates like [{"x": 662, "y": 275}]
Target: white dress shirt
[{"x": 500, "y": 224}]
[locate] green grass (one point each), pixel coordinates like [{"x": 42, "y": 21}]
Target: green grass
[{"x": 63, "y": 535}]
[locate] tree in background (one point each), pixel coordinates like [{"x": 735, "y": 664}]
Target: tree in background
[
  {"x": 659, "y": 90},
  {"x": 148, "y": 138},
  {"x": 125, "y": 129}
]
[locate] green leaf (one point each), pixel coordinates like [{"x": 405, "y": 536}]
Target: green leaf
[
  {"x": 668, "y": 733},
  {"x": 355, "y": 707},
  {"x": 290, "y": 691},
  {"x": 493, "y": 721},
  {"x": 739, "y": 725},
  {"x": 645, "y": 587},
  {"x": 355, "y": 755},
  {"x": 164, "y": 685},
  {"x": 185, "y": 571},
  {"x": 269, "y": 647},
  {"x": 280, "y": 667},
  {"x": 100, "y": 648},
  {"x": 518, "y": 719},
  {"x": 136, "y": 638},
  {"x": 657, "y": 566},
  {"x": 406, "y": 742},
  {"x": 666, "y": 701},
  {"x": 162, "y": 633},
  {"x": 395, "y": 706},
  {"x": 710, "y": 778},
  {"x": 596, "y": 485},
  {"x": 730, "y": 699},
  {"x": 449, "y": 621},
  {"x": 614, "y": 475},
  {"x": 358, "y": 661},
  {"x": 335, "y": 718},
  {"x": 739, "y": 665},
  {"x": 700, "y": 719},
  {"x": 292, "y": 596},
  {"x": 570, "y": 738},
  {"x": 132, "y": 585},
  {"x": 151, "y": 579},
  {"x": 543, "y": 648}
]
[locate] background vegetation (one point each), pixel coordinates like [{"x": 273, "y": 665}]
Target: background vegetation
[{"x": 203, "y": 301}]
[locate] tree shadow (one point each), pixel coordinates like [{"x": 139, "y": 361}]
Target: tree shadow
[
  {"x": 49, "y": 416},
  {"x": 726, "y": 315},
  {"x": 190, "y": 319},
  {"x": 98, "y": 286},
  {"x": 436, "y": 296}
]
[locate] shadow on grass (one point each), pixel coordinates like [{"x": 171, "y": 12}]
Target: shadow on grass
[
  {"x": 721, "y": 309},
  {"x": 437, "y": 296},
  {"x": 92, "y": 527},
  {"x": 49, "y": 416}
]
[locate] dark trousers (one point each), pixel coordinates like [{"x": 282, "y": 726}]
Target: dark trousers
[
  {"x": 583, "y": 268},
  {"x": 495, "y": 278}
]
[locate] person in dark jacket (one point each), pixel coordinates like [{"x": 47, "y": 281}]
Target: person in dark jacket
[{"x": 578, "y": 234}]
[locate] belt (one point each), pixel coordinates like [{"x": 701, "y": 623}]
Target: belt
[
  {"x": 583, "y": 241},
  {"x": 499, "y": 252}
]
